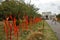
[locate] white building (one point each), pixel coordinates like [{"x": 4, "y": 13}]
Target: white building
[{"x": 46, "y": 15}]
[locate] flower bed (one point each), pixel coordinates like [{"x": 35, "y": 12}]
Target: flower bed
[{"x": 35, "y": 32}]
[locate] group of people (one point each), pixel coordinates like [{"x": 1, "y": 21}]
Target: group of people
[{"x": 54, "y": 19}]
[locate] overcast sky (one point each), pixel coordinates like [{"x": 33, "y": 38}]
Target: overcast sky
[{"x": 46, "y": 5}]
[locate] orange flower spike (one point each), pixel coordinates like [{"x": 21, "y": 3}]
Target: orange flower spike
[
  {"x": 15, "y": 31},
  {"x": 14, "y": 22},
  {"x": 5, "y": 27},
  {"x": 10, "y": 16},
  {"x": 10, "y": 26},
  {"x": 26, "y": 22},
  {"x": 6, "y": 30}
]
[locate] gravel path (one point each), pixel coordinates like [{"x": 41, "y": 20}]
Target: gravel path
[{"x": 55, "y": 27}]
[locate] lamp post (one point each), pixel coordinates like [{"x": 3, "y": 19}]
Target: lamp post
[{"x": 43, "y": 21}]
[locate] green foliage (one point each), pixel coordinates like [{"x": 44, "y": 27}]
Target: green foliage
[
  {"x": 58, "y": 16},
  {"x": 18, "y": 9},
  {"x": 0, "y": 19}
]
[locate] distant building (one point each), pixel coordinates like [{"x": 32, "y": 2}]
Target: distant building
[{"x": 47, "y": 15}]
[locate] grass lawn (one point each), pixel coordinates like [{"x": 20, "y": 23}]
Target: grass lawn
[
  {"x": 59, "y": 21},
  {"x": 35, "y": 32},
  {"x": 48, "y": 33}
]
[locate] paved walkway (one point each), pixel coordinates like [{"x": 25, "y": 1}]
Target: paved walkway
[{"x": 55, "y": 27}]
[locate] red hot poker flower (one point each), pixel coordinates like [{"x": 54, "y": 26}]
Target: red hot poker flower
[{"x": 6, "y": 30}]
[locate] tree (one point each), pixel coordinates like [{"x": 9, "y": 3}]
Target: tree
[
  {"x": 58, "y": 17},
  {"x": 17, "y": 9}
]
